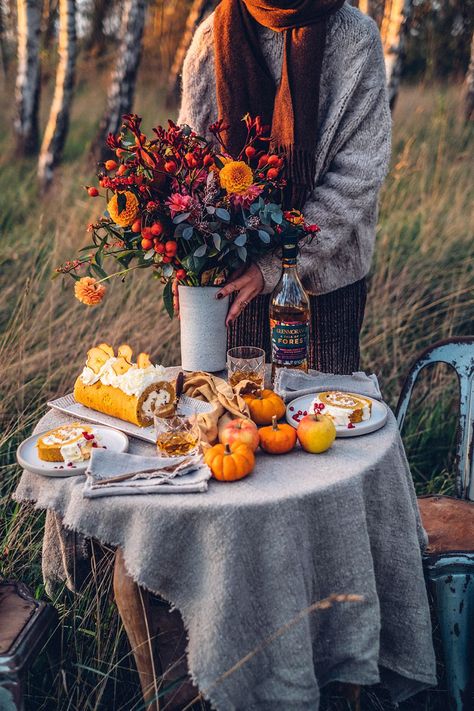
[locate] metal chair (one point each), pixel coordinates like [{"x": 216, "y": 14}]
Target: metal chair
[
  {"x": 24, "y": 626},
  {"x": 449, "y": 523}
]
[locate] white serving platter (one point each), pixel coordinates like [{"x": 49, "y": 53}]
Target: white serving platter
[
  {"x": 27, "y": 454},
  {"x": 68, "y": 405},
  {"x": 377, "y": 420}
]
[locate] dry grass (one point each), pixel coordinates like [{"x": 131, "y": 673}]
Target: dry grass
[{"x": 421, "y": 291}]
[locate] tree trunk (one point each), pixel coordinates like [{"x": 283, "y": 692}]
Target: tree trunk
[
  {"x": 469, "y": 100},
  {"x": 95, "y": 42},
  {"x": 198, "y": 10},
  {"x": 58, "y": 122},
  {"x": 3, "y": 45},
  {"x": 394, "y": 30},
  {"x": 122, "y": 83},
  {"x": 27, "y": 89}
]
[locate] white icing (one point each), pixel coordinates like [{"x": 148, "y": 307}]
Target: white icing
[
  {"x": 133, "y": 382},
  {"x": 61, "y": 435},
  {"x": 155, "y": 400},
  {"x": 73, "y": 452},
  {"x": 344, "y": 408}
]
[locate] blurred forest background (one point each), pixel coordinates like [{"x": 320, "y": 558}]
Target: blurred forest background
[{"x": 68, "y": 70}]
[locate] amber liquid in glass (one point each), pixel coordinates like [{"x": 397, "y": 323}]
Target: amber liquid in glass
[
  {"x": 289, "y": 317},
  {"x": 175, "y": 444},
  {"x": 240, "y": 375}
]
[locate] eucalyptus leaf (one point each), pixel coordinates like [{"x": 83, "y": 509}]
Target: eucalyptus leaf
[
  {"x": 216, "y": 238},
  {"x": 181, "y": 217},
  {"x": 240, "y": 240},
  {"x": 200, "y": 251},
  {"x": 210, "y": 209},
  {"x": 264, "y": 236},
  {"x": 149, "y": 254},
  {"x": 222, "y": 214},
  {"x": 121, "y": 202},
  {"x": 167, "y": 271},
  {"x": 187, "y": 232},
  {"x": 277, "y": 217},
  {"x": 242, "y": 252},
  {"x": 168, "y": 298}
]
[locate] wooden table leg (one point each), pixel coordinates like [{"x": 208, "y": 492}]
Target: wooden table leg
[{"x": 134, "y": 609}]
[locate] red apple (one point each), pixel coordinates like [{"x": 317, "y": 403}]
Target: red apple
[
  {"x": 316, "y": 433},
  {"x": 241, "y": 431}
]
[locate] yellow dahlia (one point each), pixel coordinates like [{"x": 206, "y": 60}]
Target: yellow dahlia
[
  {"x": 88, "y": 291},
  {"x": 127, "y": 215},
  {"x": 236, "y": 176}
]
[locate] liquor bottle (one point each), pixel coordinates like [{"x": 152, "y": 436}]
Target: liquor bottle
[{"x": 289, "y": 316}]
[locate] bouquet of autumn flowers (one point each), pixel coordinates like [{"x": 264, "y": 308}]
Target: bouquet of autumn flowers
[{"x": 183, "y": 207}]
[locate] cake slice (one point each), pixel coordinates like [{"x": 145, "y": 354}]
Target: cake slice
[
  {"x": 345, "y": 408},
  {"x": 67, "y": 443}
]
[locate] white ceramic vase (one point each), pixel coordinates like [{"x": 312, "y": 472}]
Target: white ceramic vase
[{"x": 203, "y": 330}]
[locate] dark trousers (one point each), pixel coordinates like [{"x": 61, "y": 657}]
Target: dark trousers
[{"x": 336, "y": 320}]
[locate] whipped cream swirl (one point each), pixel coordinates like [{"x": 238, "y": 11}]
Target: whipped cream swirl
[{"x": 133, "y": 382}]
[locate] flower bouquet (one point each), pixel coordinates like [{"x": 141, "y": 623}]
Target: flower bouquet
[{"x": 181, "y": 206}]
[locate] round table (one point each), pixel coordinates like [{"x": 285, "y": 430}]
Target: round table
[{"x": 244, "y": 559}]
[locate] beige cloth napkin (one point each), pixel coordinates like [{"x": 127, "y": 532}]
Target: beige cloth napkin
[{"x": 226, "y": 404}]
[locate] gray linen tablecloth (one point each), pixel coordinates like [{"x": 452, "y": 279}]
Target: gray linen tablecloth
[{"x": 243, "y": 559}]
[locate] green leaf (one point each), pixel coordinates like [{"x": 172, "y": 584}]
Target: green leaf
[
  {"x": 181, "y": 217},
  {"x": 168, "y": 298},
  {"x": 223, "y": 214},
  {"x": 99, "y": 271},
  {"x": 200, "y": 251},
  {"x": 149, "y": 254},
  {"x": 240, "y": 240},
  {"x": 242, "y": 252},
  {"x": 264, "y": 236},
  {"x": 216, "y": 238},
  {"x": 121, "y": 202}
]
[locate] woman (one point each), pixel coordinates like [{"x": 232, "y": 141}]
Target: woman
[{"x": 314, "y": 71}]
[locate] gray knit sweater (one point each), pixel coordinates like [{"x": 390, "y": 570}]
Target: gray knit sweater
[{"x": 353, "y": 144}]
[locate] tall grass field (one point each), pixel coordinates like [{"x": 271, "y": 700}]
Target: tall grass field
[{"x": 421, "y": 290}]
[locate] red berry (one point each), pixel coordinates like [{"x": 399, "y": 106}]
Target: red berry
[
  {"x": 146, "y": 232},
  {"x": 147, "y": 244},
  {"x": 170, "y": 166},
  {"x": 137, "y": 226},
  {"x": 171, "y": 248},
  {"x": 159, "y": 247},
  {"x": 263, "y": 160},
  {"x": 120, "y": 152},
  {"x": 166, "y": 259},
  {"x": 180, "y": 275},
  {"x": 93, "y": 192},
  {"x": 190, "y": 160},
  {"x": 157, "y": 229},
  {"x": 122, "y": 169},
  {"x": 208, "y": 160},
  {"x": 273, "y": 160},
  {"x": 110, "y": 165},
  {"x": 273, "y": 173},
  {"x": 250, "y": 152}
]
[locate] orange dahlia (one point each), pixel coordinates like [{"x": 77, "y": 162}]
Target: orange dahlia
[
  {"x": 123, "y": 214},
  {"x": 236, "y": 176},
  {"x": 88, "y": 291},
  {"x": 294, "y": 216}
]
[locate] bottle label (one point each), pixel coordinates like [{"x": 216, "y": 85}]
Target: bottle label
[{"x": 289, "y": 342}]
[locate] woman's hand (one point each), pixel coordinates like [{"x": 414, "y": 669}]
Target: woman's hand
[{"x": 248, "y": 283}]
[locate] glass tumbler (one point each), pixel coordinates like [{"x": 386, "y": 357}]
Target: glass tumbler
[
  {"x": 246, "y": 363},
  {"x": 177, "y": 436}
]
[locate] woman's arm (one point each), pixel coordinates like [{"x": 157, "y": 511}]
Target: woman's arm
[{"x": 344, "y": 203}]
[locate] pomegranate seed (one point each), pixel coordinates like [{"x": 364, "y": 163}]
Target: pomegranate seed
[{"x": 292, "y": 408}]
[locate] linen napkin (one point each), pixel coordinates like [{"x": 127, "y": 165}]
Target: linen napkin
[
  {"x": 293, "y": 383},
  {"x": 225, "y": 402},
  {"x": 117, "y": 474}
]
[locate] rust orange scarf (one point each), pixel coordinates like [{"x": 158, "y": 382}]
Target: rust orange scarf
[{"x": 245, "y": 84}]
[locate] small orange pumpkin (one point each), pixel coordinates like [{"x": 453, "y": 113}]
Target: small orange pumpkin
[
  {"x": 277, "y": 439},
  {"x": 230, "y": 463},
  {"x": 263, "y": 405}
]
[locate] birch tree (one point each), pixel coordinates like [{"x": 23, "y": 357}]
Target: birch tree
[
  {"x": 95, "y": 42},
  {"x": 199, "y": 9},
  {"x": 469, "y": 100},
  {"x": 58, "y": 122},
  {"x": 27, "y": 89},
  {"x": 122, "y": 83},
  {"x": 394, "y": 30}
]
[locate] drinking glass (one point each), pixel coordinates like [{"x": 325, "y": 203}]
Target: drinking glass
[
  {"x": 246, "y": 363},
  {"x": 177, "y": 436}
]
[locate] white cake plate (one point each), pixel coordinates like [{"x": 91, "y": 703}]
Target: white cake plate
[
  {"x": 27, "y": 453},
  {"x": 297, "y": 408}
]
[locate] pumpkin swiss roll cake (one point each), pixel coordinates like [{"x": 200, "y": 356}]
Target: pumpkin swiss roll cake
[
  {"x": 344, "y": 408},
  {"x": 67, "y": 443},
  {"x": 111, "y": 383}
]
